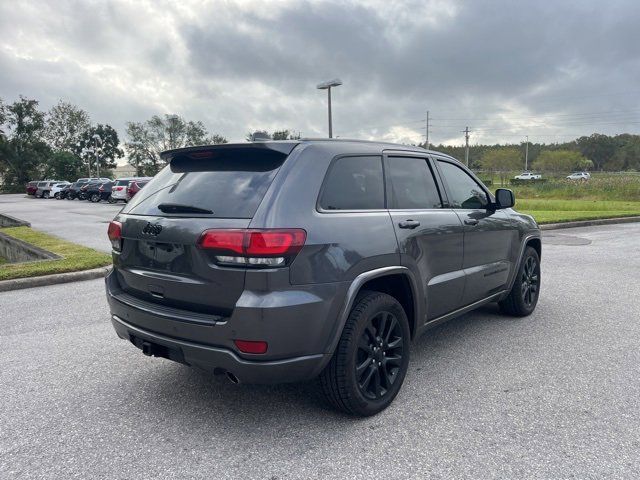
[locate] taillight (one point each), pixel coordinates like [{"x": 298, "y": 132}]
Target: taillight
[
  {"x": 101, "y": 189},
  {"x": 255, "y": 248},
  {"x": 115, "y": 235}
]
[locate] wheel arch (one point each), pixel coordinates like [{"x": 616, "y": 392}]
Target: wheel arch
[{"x": 396, "y": 281}]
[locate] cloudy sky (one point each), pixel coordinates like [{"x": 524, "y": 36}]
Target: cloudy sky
[{"x": 549, "y": 69}]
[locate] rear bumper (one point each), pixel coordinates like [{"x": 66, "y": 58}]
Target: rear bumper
[
  {"x": 298, "y": 325},
  {"x": 119, "y": 194},
  {"x": 221, "y": 360}
]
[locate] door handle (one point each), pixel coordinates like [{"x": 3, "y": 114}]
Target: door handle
[
  {"x": 409, "y": 224},
  {"x": 471, "y": 221}
]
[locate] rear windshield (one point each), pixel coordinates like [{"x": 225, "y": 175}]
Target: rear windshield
[
  {"x": 122, "y": 183},
  {"x": 231, "y": 185}
]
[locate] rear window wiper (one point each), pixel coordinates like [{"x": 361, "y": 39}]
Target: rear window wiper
[{"x": 178, "y": 208}]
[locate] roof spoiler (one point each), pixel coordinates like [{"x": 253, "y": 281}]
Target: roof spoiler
[{"x": 224, "y": 149}]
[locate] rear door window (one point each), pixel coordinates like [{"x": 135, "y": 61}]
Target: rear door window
[
  {"x": 231, "y": 184},
  {"x": 411, "y": 184},
  {"x": 354, "y": 183}
]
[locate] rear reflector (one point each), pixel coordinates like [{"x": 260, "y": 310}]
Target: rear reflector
[
  {"x": 115, "y": 235},
  {"x": 251, "y": 346},
  {"x": 265, "y": 248}
]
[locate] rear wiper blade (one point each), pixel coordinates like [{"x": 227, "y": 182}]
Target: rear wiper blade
[{"x": 177, "y": 208}]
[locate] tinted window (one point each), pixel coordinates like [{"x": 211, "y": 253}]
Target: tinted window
[
  {"x": 354, "y": 183},
  {"x": 412, "y": 184},
  {"x": 122, "y": 183},
  {"x": 43, "y": 184},
  {"x": 231, "y": 184},
  {"x": 463, "y": 191}
]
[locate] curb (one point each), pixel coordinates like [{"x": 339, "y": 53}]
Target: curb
[
  {"x": 589, "y": 223},
  {"x": 19, "y": 283}
]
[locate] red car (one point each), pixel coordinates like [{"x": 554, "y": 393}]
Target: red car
[
  {"x": 134, "y": 187},
  {"x": 31, "y": 188}
]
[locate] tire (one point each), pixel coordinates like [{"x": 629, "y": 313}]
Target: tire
[
  {"x": 46, "y": 194},
  {"x": 361, "y": 378},
  {"x": 56, "y": 195},
  {"x": 523, "y": 297},
  {"x": 112, "y": 200},
  {"x": 95, "y": 198}
]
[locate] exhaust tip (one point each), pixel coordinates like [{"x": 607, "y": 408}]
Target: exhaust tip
[{"x": 232, "y": 378}]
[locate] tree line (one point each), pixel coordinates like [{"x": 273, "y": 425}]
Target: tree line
[
  {"x": 64, "y": 143},
  {"x": 594, "y": 152}
]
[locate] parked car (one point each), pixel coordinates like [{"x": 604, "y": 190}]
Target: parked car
[
  {"x": 63, "y": 193},
  {"x": 56, "y": 188},
  {"x": 97, "y": 191},
  {"x": 74, "y": 189},
  {"x": 119, "y": 191},
  {"x": 135, "y": 186},
  {"x": 44, "y": 188},
  {"x": 528, "y": 176},
  {"x": 31, "y": 188},
  {"x": 90, "y": 188},
  {"x": 579, "y": 176},
  {"x": 284, "y": 261}
]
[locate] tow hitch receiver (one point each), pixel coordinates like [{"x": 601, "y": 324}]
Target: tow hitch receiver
[{"x": 154, "y": 350}]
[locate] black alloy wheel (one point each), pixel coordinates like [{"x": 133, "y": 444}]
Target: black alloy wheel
[
  {"x": 529, "y": 281},
  {"x": 371, "y": 359},
  {"x": 523, "y": 297},
  {"x": 379, "y": 356}
]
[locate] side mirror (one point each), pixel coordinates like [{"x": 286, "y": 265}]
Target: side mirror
[{"x": 505, "y": 198}]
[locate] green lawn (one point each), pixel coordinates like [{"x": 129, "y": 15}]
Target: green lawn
[
  {"x": 74, "y": 257},
  {"x": 554, "y": 210}
]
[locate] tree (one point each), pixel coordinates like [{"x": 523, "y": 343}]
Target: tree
[
  {"x": 65, "y": 165},
  {"x": 562, "y": 161},
  {"x": 216, "y": 139},
  {"x": 285, "y": 135},
  {"x": 627, "y": 155},
  {"x": 597, "y": 147},
  {"x": 65, "y": 125},
  {"x": 146, "y": 140},
  {"x": 502, "y": 161},
  {"x": 22, "y": 150},
  {"x": 276, "y": 135},
  {"x": 101, "y": 142}
]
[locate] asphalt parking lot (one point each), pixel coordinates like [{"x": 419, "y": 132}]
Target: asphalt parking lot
[
  {"x": 79, "y": 221},
  {"x": 554, "y": 395}
]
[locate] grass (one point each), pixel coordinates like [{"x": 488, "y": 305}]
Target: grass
[
  {"x": 605, "y": 195},
  {"x": 548, "y": 210},
  {"x": 74, "y": 257}
]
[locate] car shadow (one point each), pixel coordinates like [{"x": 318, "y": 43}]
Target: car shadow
[{"x": 188, "y": 394}]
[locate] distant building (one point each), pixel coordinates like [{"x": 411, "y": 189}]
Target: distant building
[{"x": 125, "y": 170}]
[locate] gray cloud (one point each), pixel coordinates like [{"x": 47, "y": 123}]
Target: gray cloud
[{"x": 506, "y": 69}]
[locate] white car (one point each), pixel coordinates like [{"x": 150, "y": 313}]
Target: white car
[
  {"x": 55, "y": 189},
  {"x": 579, "y": 176},
  {"x": 528, "y": 176}
]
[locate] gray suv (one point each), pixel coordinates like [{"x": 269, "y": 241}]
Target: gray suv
[{"x": 284, "y": 261}]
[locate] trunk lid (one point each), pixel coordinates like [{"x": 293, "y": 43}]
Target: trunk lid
[{"x": 160, "y": 261}]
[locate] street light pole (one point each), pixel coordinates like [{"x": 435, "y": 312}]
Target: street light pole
[
  {"x": 526, "y": 154},
  {"x": 96, "y": 141},
  {"x": 327, "y": 86}
]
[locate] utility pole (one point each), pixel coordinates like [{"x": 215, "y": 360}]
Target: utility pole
[
  {"x": 426, "y": 144},
  {"x": 526, "y": 154},
  {"x": 466, "y": 146}
]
